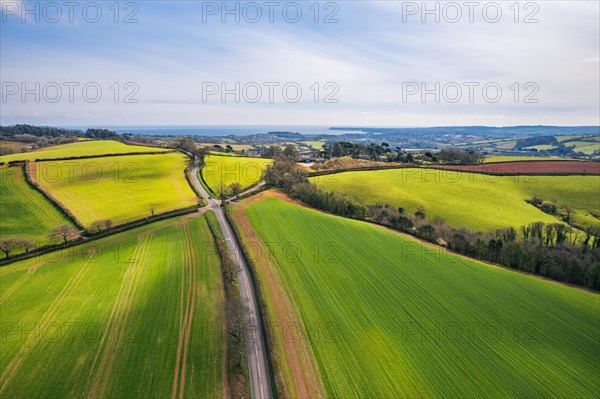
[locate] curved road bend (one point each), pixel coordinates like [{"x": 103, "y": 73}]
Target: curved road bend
[{"x": 260, "y": 380}]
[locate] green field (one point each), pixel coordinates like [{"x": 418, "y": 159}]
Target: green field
[
  {"x": 227, "y": 169},
  {"x": 314, "y": 144},
  {"x": 25, "y": 213},
  {"x": 572, "y": 137},
  {"x": 120, "y": 188},
  {"x": 475, "y": 201},
  {"x": 586, "y": 147},
  {"x": 512, "y": 158},
  {"x": 541, "y": 147},
  {"x": 236, "y": 147},
  {"x": 387, "y": 316},
  {"x": 80, "y": 148},
  {"x": 135, "y": 315}
]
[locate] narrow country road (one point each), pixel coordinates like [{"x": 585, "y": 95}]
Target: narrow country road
[{"x": 260, "y": 381}]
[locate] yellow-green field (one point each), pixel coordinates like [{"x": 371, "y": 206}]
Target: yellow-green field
[
  {"x": 586, "y": 147},
  {"x": 134, "y": 315},
  {"x": 236, "y": 147},
  {"x": 225, "y": 169},
  {"x": 80, "y": 148},
  {"x": 24, "y": 212},
  {"x": 120, "y": 188},
  {"x": 314, "y": 144},
  {"x": 477, "y": 202}
]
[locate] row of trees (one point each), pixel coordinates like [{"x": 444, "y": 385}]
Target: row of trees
[
  {"x": 59, "y": 234},
  {"x": 554, "y": 250},
  {"x": 43, "y": 136},
  {"x": 275, "y": 151}
]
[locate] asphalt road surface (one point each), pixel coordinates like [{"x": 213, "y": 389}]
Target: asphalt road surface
[{"x": 260, "y": 380}]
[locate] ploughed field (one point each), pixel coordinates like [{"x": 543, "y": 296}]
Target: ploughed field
[
  {"x": 24, "y": 212},
  {"x": 136, "y": 315},
  {"x": 225, "y": 169},
  {"x": 475, "y": 201},
  {"x": 120, "y": 188},
  {"x": 377, "y": 314}
]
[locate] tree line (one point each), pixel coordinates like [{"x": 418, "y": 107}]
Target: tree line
[
  {"x": 556, "y": 251},
  {"x": 59, "y": 234}
]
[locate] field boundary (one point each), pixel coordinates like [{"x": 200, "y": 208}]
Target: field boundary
[
  {"x": 204, "y": 183},
  {"x": 57, "y": 204},
  {"x": 89, "y": 237},
  {"x": 95, "y": 156},
  {"x": 466, "y": 169}
]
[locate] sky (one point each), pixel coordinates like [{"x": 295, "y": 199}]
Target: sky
[{"x": 336, "y": 63}]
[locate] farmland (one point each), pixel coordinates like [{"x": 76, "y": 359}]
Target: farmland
[
  {"x": 78, "y": 149},
  {"x": 25, "y": 212},
  {"x": 475, "y": 201},
  {"x": 121, "y": 188},
  {"x": 226, "y": 170},
  {"x": 564, "y": 167},
  {"x": 508, "y": 158},
  {"x": 137, "y": 314},
  {"x": 381, "y": 315}
]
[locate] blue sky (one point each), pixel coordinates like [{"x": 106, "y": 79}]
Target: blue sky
[{"x": 373, "y": 58}]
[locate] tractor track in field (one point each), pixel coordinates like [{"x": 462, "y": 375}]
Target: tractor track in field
[
  {"x": 187, "y": 315},
  {"x": 114, "y": 332},
  {"x": 14, "y": 286},
  {"x": 74, "y": 200},
  {"x": 16, "y": 361}
]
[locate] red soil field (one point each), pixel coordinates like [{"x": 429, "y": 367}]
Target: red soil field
[{"x": 529, "y": 168}]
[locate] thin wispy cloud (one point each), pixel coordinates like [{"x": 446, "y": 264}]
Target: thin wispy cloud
[{"x": 370, "y": 54}]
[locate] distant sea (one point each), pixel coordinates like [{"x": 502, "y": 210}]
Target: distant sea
[{"x": 214, "y": 130}]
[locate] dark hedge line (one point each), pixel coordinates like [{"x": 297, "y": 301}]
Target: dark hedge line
[
  {"x": 89, "y": 237},
  {"x": 57, "y": 204}
]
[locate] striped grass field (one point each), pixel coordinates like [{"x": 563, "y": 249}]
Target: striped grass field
[
  {"x": 387, "y": 316},
  {"x": 121, "y": 188},
  {"x": 134, "y": 315},
  {"x": 24, "y": 212}
]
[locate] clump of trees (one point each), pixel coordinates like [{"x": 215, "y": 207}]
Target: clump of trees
[
  {"x": 328, "y": 201},
  {"x": 275, "y": 151},
  {"x": 284, "y": 173},
  {"x": 100, "y": 225},
  {"x": 468, "y": 157},
  {"x": 60, "y": 233},
  {"x": 15, "y": 244},
  {"x": 63, "y": 232}
]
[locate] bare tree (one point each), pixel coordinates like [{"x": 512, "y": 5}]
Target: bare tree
[
  {"x": 96, "y": 226},
  {"x": 107, "y": 224},
  {"x": 223, "y": 192},
  {"x": 7, "y": 246},
  {"x": 568, "y": 210},
  {"x": 235, "y": 188},
  {"x": 64, "y": 232},
  {"x": 24, "y": 245}
]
